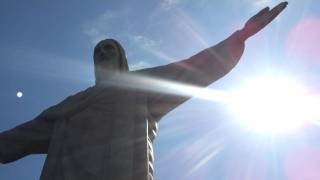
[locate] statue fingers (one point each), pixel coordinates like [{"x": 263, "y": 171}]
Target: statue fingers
[
  {"x": 262, "y": 19},
  {"x": 273, "y": 13},
  {"x": 261, "y": 13}
]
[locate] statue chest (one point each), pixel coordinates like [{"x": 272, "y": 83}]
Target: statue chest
[{"x": 106, "y": 139}]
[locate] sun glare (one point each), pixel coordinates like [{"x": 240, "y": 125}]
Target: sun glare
[
  {"x": 267, "y": 105},
  {"x": 273, "y": 105}
]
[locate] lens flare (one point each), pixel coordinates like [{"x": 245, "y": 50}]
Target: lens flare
[
  {"x": 304, "y": 41},
  {"x": 273, "y": 105}
]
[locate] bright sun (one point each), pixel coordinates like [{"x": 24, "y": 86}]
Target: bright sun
[{"x": 273, "y": 105}]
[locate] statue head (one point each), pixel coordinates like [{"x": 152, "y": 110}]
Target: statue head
[{"x": 109, "y": 59}]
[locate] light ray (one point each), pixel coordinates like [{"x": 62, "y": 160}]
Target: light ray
[
  {"x": 140, "y": 82},
  {"x": 190, "y": 27},
  {"x": 266, "y": 105},
  {"x": 205, "y": 160}
]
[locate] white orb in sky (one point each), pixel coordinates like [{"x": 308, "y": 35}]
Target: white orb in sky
[{"x": 19, "y": 94}]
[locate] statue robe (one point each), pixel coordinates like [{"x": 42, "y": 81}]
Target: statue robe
[{"x": 106, "y": 133}]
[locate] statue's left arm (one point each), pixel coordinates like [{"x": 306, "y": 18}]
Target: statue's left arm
[
  {"x": 199, "y": 70},
  {"x": 207, "y": 66}
]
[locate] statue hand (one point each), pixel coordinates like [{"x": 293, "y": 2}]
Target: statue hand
[{"x": 261, "y": 19}]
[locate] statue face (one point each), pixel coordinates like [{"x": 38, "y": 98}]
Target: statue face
[
  {"x": 106, "y": 60},
  {"x": 109, "y": 59}
]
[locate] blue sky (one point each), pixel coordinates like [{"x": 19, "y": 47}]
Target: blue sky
[{"x": 46, "y": 52}]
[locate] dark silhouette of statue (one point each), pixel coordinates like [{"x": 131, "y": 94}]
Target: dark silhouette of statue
[{"x": 107, "y": 131}]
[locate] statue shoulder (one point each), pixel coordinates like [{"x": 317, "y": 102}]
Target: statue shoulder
[{"x": 81, "y": 94}]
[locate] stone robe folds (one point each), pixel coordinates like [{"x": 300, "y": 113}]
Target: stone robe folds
[{"x": 106, "y": 133}]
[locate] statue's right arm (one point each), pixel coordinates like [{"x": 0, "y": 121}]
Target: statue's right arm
[{"x": 34, "y": 137}]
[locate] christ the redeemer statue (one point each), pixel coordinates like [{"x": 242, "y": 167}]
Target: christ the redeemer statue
[{"x": 106, "y": 132}]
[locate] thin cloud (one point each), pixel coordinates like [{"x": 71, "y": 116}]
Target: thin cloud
[
  {"x": 101, "y": 28},
  {"x": 152, "y": 47},
  {"x": 52, "y": 66},
  {"x": 139, "y": 65},
  {"x": 264, "y": 3},
  {"x": 145, "y": 42},
  {"x": 169, "y": 4}
]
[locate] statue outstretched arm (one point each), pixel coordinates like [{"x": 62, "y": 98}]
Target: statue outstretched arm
[
  {"x": 208, "y": 65},
  {"x": 261, "y": 20},
  {"x": 34, "y": 137}
]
